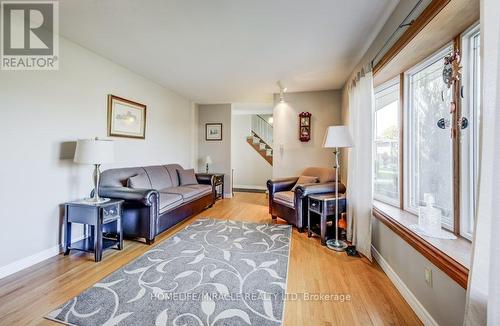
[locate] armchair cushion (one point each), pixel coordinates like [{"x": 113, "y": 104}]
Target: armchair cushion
[
  {"x": 285, "y": 198},
  {"x": 140, "y": 181},
  {"x": 324, "y": 174},
  {"x": 304, "y": 179}
]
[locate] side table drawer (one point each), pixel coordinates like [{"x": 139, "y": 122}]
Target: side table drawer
[
  {"x": 330, "y": 206},
  {"x": 315, "y": 205},
  {"x": 110, "y": 213},
  {"x": 82, "y": 214}
]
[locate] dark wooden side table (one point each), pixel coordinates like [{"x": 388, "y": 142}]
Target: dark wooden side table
[
  {"x": 94, "y": 216},
  {"x": 218, "y": 183},
  {"x": 324, "y": 206}
]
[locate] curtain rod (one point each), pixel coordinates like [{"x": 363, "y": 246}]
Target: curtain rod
[
  {"x": 369, "y": 66},
  {"x": 403, "y": 24}
]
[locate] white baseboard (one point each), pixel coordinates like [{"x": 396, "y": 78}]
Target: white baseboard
[
  {"x": 424, "y": 316},
  {"x": 229, "y": 195},
  {"x": 29, "y": 261},
  {"x": 250, "y": 187}
]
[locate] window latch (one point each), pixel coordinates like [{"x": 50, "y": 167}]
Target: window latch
[
  {"x": 443, "y": 123},
  {"x": 463, "y": 123}
]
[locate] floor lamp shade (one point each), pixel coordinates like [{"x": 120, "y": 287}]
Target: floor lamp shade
[
  {"x": 94, "y": 151},
  {"x": 338, "y": 137}
]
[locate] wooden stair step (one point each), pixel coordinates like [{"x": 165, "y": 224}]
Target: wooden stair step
[{"x": 262, "y": 151}]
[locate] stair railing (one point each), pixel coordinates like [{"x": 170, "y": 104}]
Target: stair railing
[{"x": 262, "y": 128}]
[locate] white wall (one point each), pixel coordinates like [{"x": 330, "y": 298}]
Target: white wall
[
  {"x": 219, "y": 151},
  {"x": 444, "y": 301},
  {"x": 250, "y": 169},
  {"x": 325, "y": 107},
  {"x": 40, "y": 112}
]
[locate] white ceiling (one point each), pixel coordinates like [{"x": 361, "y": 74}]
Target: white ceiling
[{"x": 220, "y": 51}]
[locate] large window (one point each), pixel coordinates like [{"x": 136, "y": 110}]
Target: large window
[
  {"x": 438, "y": 160},
  {"x": 386, "y": 143},
  {"x": 429, "y": 157}
]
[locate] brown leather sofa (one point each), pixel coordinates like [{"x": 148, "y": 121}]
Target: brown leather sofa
[
  {"x": 292, "y": 205},
  {"x": 163, "y": 203}
]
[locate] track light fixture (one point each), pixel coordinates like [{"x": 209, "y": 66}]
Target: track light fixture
[{"x": 282, "y": 91}]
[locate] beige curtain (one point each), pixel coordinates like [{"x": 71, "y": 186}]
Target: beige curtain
[
  {"x": 483, "y": 294},
  {"x": 360, "y": 169}
]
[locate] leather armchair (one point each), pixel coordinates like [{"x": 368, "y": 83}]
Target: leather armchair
[{"x": 292, "y": 205}]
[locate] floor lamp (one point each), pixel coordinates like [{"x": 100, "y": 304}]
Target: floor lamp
[{"x": 337, "y": 137}]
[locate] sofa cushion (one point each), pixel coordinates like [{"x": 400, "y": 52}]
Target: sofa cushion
[
  {"x": 172, "y": 171},
  {"x": 187, "y": 192},
  {"x": 187, "y": 177},
  {"x": 159, "y": 177},
  {"x": 304, "y": 180},
  {"x": 168, "y": 201},
  {"x": 204, "y": 189},
  {"x": 324, "y": 174},
  {"x": 140, "y": 181},
  {"x": 285, "y": 198}
]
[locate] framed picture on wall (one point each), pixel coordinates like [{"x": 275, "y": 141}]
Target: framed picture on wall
[
  {"x": 213, "y": 131},
  {"x": 126, "y": 118}
]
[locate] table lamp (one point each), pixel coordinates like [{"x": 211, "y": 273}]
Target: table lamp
[
  {"x": 95, "y": 151},
  {"x": 337, "y": 137},
  {"x": 208, "y": 160}
]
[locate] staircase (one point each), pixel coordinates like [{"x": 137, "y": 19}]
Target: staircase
[{"x": 261, "y": 138}]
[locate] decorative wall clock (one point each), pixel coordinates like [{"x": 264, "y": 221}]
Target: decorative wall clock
[{"x": 304, "y": 126}]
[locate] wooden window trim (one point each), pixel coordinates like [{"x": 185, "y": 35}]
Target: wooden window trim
[
  {"x": 420, "y": 22},
  {"x": 456, "y": 145},
  {"x": 444, "y": 262}
]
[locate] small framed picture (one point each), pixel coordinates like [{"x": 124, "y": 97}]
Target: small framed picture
[
  {"x": 213, "y": 131},
  {"x": 126, "y": 118}
]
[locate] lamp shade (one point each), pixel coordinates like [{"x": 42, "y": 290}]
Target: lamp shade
[
  {"x": 94, "y": 151},
  {"x": 208, "y": 160},
  {"x": 338, "y": 136}
]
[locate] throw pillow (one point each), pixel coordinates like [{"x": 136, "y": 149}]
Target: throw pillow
[
  {"x": 187, "y": 177},
  {"x": 303, "y": 180},
  {"x": 140, "y": 181}
]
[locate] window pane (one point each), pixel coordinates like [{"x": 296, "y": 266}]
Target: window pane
[
  {"x": 386, "y": 165},
  {"x": 429, "y": 147}
]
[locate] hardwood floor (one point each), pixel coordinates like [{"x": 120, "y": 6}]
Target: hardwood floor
[{"x": 27, "y": 296}]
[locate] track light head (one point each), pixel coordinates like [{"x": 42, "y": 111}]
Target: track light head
[{"x": 282, "y": 91}]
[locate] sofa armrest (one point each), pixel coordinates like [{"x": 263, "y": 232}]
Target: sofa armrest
[
  {"x": 206, "y": 179},
  {"x": 303, "y": 191},
  {"x": 283, "y": 184},
  {"x": 148, "y": 197}
]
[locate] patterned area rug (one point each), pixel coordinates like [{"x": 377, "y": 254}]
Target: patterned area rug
[{"x": 211, "y": 273}]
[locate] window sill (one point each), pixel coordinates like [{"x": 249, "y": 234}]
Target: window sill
[{"x": 451, "y": 256}]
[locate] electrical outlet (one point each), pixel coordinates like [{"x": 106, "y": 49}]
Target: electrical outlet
[{"x": 428, "y": 276}]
